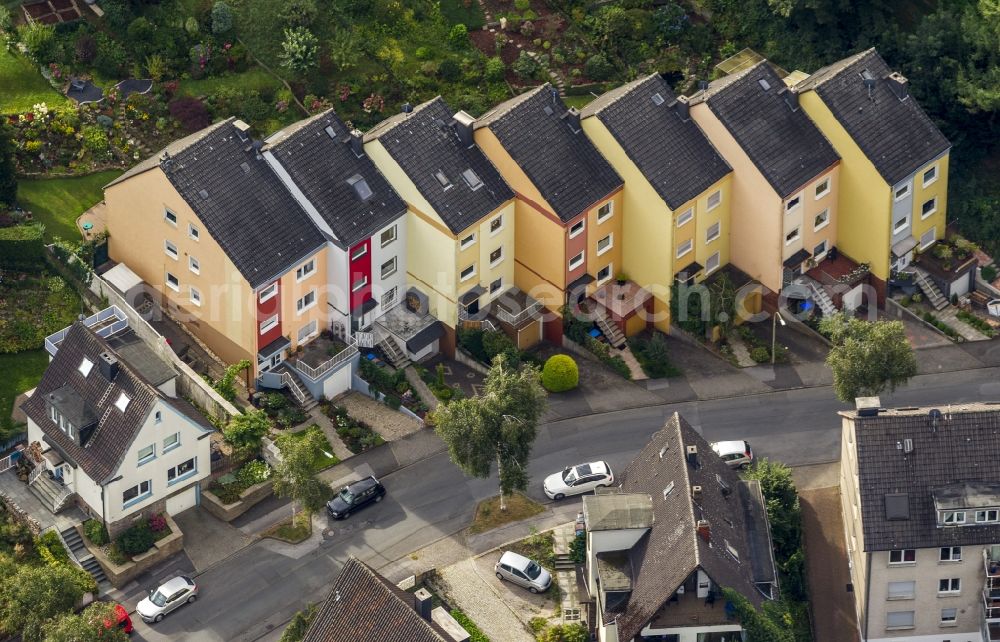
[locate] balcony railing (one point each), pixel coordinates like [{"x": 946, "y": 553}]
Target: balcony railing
[
  {"x": 317, "y": 373},
  {"x": 529, "y": 312},
  {"x": 991, "y": 606},
  {"x": 991, "y": 565},
  {"x": 365, "y": 339},
  {"x": 104, "y": 323},
  {"x": 286, "y": 379}
]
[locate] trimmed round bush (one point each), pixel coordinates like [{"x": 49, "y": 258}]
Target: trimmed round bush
[{"x": 560, "y": 373}]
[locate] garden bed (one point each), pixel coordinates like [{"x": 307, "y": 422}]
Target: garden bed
[
  {"x": 489, "y": 516},
  {"x": 320, "y": 459},
  {"x": 281, "y": 409},
  {"x": 650, "y": 350},
  {"x": 391, "y": 424},
  {"x": 356, "y": 435},
  {"x": 33, "y": 306},
  {"x": 293, "y": 530},
  {"x": 392, "y": 386},
  {"x": 121, "y": 568},
  {"x": 230, "y": 488}
]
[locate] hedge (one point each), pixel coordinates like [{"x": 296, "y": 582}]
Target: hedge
[
  {"x": 21, "y": 247},
  {"x": 560, "y": 373}
]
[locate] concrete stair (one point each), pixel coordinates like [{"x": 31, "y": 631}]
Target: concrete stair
[
  {"x": 300, "y": 392},
  {"x": 71, "y": 538},
  {"x": 393, "y": 353},
  {"x": 934, "y": 295},
  {"x": 565, "y": 572},
  {"x": 611, "y": 331},
  {"x": 823, "y": 300},
  {"x": 50, "y": 493}
]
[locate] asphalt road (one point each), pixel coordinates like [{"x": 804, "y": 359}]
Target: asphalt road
[{"x": 253, "y": 594}]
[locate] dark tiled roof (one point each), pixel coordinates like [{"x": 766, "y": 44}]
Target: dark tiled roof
[
  {"x": 896, "y": 135},
  {"x": 320, "y": 166},
  {"x": 673, "y": 154},
  {"x": 141, "y": 357},
  {"x": 672, "y": 549},
  {"x": 424, "y": 142},
  {"x": 243, "y": 204},
  {"x": 365, "y": 607},
  {"x": 962, "y": 449},
  {"x": 787, "y": 148},
  {"x": 103, "y": 451},
  {"x": 564, "y": 165}
]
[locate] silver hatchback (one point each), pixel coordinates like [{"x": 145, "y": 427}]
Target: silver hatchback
[
  {"x": 523, "y": 571},
  {"x": 180, "y": 590}
]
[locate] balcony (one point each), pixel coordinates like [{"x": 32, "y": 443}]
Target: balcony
[
  {"x": 322, "y": 355},
  {"x": 515, "y": 308},
  {"x": 105, "y": 323}
]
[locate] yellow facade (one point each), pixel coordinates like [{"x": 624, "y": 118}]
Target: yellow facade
[
  {"x": 939, "y": 190},
  {"x": 292, "y": 289}
]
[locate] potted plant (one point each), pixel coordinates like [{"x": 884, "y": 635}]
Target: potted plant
[{"x": 621, "y": 278}]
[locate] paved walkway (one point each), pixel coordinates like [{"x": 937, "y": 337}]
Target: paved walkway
[
  {"x": 97, "y": 217},
  {"x": 741, "y": 352},
  {"x": 208, "y": 539},
  {"x": 950, "y": 316},
  {"x": 638, "y": 374},
  {"x": 466, "y": 586}
]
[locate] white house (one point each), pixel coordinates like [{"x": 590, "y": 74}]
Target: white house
[{"x": 114, "y": 437}]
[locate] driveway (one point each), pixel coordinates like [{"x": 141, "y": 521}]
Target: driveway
[
  {"x": 208, "y": 539},
  {"x": 498, "y": 608}
]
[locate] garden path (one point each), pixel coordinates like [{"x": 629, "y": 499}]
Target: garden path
[
  {"x": 391, "y": 424},
  {"x": 320, "y": 419},
  {"x": 741, "y": 352},
  {"x": 950, "y": 316},
  {"x": 633, "y": 365}
]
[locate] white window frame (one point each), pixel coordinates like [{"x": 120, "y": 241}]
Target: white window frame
[
  {"x": 170, "y": 249},
  {"x": 932, "y": 211},
  {"x": 268, "y": 324},
  {"x": 176, "y": 285},
  {"x": 185, "y": 475},
  {"x": 826, "y": 220},
  {"x": 577, "y": 228},
  {"x": 950, "y": 556},
  {"x": 393, "y": 268},
  {"x": 610, "y": 267},
  {"x": 901, "y": 192},
  {"x": 817, "y": 194},
  {"x": 141, "y": 496},
  {"x": 901, "y": 594},
  {"x": 793, "y": 236},
  {"x": 684, "y": 248},
  {"x": 608, "y": 213},
  {"x": 86, "y": 365},
  {"x": 381, "y": 237},
  {"x": 709, "y": 237},
  {"x": 150, "y": 456},
  {"x": 708, "y": 263},
  {"x": 717, "y": 195},
  {"x": 312, "y": 326},
  {"x": 267, "y": 293},
  {"x": 923, "y": 175},
  {"x": 953, "y": 621},
  {"x": 170, "y": 445},
  {"x": 500, "y": 225},
  {"x": 193, "y": 232},
  {"x": 360, "y": 283},
  {"x": 389, "y": 298},
  {"x": 577, "y": 260},
  {"x": 793, "y": 203},
  {"x": 463, "y": 277},
  {"x": 818, "y": 255},
  {"x": 898, "y": 626},
  {"x": 195, "y": 295},
  {"x": 897, "y": 228},
  {"x": 610, "y": 238},
  {"x": 359, "y": 252},
  {"x": 989, "y": 515},
  {"x": 902, "y": 557},
  {"x": 301, "y": 306},
  {"x": 953, "y": 517},
  {"x": 952, "y": 586},
  {"x": 933, "y": 232},
  {"x": 685, "y": 217},
  {"x": 170, "y": 216},
  {"x": 305, "y": 270},
  {"x": 499, "y": 259},
  {"x": 194, "y": 265},
  {"x": 468, "y": 241}
]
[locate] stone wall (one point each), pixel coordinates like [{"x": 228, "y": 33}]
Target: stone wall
[
  {"x": 248, "y": 499},
  {"x": 121, "y": 575},
  {"x": 116, "y": 528},
  {"x": 469, "y": 361},
  {"x": 896, "y": 311}
]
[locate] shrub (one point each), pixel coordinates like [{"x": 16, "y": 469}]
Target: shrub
[
  {"x": 299, "y": 13},
  {"x": 653, "y": 356},
  {"x": 560, "y": 373},
  {"x": 449, "y": 70},
  {"x": 598, "y": 67},
  {"x": 95, "y": 140},
  {"x": 157, "y": 523},
  {"x": 96, "y": 532},
  {"x": 136, "y": 540},
  {"x": 191, "y": 113},
  {"x": 50, "y": 543},
  {"x": 39, "y": 40},
  {"x": 222, "y": 17},
  {"x": 475, "y": 633},
  {"x": 574, "y": 632},
  {"x": 760, "y": 354},
  {"x": 494, "y": 70},
  {"x": 85, "y": 49},
  {"x": 21, "y": 247},
  {"x": 458, "y": 37},
  {"x": 496, "y": 343},
  {"x": 299, "y": 50},
  {"x": 253, "y": 472},
  {"x": 989, "y": 273},
  {"x": 525, "y": 66}
]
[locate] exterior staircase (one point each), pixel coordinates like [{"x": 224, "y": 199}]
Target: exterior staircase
[
  {"x": 74, "y": 544},
  {"x": 934, "y": 295},
  {"x": 300, "y": 392},
  {"x": 395, "y": 356},
  {"x": 611, "y": 331},
  {"x": 52, "y": 494},
  {"x": 823, "y": 300}
]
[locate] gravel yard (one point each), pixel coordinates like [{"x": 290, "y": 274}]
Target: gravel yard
[{"x": 388, "y": 423}]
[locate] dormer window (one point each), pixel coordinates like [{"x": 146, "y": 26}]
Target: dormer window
[
  {"x": 987, "y": 516},
  {"x": 953, "y": 517},
  {"x": 85, "y": 366},
  {"x": 122, "y": 402}
]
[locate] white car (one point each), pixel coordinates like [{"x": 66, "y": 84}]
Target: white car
[
  {"x": 174, "y": 593},
  {"x": 521, "y": 570},
  {"x": 578, "y": 479},
  {"x": 736, "y": 454}
]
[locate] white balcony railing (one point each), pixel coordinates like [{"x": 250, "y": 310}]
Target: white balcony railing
[
  {"x": 529, "y": 312},
  {"x": 108, "y": 321},
  {"x": 364, "y": 339},
  {"x": 291, "y": 384},
  {"x": 316, "y": 373}
]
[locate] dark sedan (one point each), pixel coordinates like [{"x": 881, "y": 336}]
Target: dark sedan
[{"x": 355, "y": 496}]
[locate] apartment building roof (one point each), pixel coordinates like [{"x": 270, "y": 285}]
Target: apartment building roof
[
  {"x": 780, "y": 139},
  {"x": 704, "y": 518},
  {"x": 454, "y": 175},
  {"x": 546, "y": 141},
  {"x": 106, "y": 414},
  {"x": 912, "y": 462},
  {"x": 874, "y": 105},
  {"x": 365, "y": 607},
  {"x": 667, "y": 147},
  {"x": 326, "y": 161}
]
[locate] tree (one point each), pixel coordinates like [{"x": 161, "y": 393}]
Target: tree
[
  {"x": 245, "y": 433},
  {"x": 35, "y": 594},
  {"x": 979, "y": 80},
  {"x": 499, "y": 426},
  {"x": 867, "y": 357},
  {"x": 784, "y": 514},
  {"x": 299, "y": 624},
  {"x": 97, "y": 623},
  {"x": 222, "y": 17},
  {"x": 39, "y": 40},
  {"x": 295, "y": 476},
  {"x": 758, "y": 627},
  {"x": 8, "y": 177},
  {"x": 299, "y": 50}
]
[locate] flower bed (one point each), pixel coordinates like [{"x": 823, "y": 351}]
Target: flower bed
[
  {"x": 651, "y": 353},
  {"x": 44, "y": 304},
  {"x": 357, "y": 435},
  {"x": 977, "y": 323},
  {"x": 284, "y": 413},
  {"x": 249, "y": 474}
]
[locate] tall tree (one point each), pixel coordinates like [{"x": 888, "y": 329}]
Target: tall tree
[
  {"x": 867, "y": 357},
  {"x": 97, "y": 623},
  {"x": 246, "y": 432},
  {"x": 35, "y": 594},
  {"x": 497, "y": 427},
  {"x": 296, "y": 477},
  {"x": 8, "y": 178}
]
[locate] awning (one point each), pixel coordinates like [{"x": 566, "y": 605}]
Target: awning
[
  {"x": 122, "y": 278},
  {"x": 471, "y": 296},
  {"x": 797, "y": 259},
  {"x": 425, "y": 337},
  {"x": 366, "y": 307},
  {"x": 691, "y": 269},
  {"x": 586, "y": 279},
  {"x": 904, "y": 247},
  {"x": 273, "y": 348}
]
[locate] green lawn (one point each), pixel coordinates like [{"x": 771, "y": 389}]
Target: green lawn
[
  {"x": 21, "y": 371},
  {"x": 577, "y": 101},
  {"x": 456, "y": 12},
  {"x": 320, "y": 460},
  {"x": 254, "y": 78},
  {"x": 22, "y": 85},
  {"x": 58, "y": 202}
]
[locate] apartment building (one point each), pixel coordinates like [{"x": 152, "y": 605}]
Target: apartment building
[{"x": 921, "y": 503}]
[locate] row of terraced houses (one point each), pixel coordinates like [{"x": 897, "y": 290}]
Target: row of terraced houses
[{"x": 434, "y": 218}]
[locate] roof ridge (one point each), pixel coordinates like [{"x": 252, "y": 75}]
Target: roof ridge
[
  {"x": 831, "y": 71},
  {"x": 676, "y": 418},
  {"x": 612, "y": 96},
  {"x": 153, "y": 160},
  {"x": 721, "y": 84},
  {"x": 283, "y": 134},
  {"x": 499, "y": 111},
  {"x": 388, "y": 124}
]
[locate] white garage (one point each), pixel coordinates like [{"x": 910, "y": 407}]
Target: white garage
[{"x": 182, "y": 500}]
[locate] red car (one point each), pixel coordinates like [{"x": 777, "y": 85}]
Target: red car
[{"x": 122, "y": 620}]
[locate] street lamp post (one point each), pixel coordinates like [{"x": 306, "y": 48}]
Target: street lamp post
[{"x": 774, "y": 332}]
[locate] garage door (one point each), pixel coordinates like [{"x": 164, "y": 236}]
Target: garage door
[
  {"x": 960, "y": 287},
  {"x": 182, "y": 500}
]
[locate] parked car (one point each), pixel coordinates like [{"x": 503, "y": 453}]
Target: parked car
[
  {"x": 578, "y": 479},
  {"x": 736, "y": 454},
  {"x": 122, "y": 620},
  {"x": 175, "y": 592},
  {"x": 524, "y": 572},
  {"x": 354, "y": 496}
]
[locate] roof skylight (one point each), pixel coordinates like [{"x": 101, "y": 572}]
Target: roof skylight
[
  {"x": 658, "y": 99},
  {"x": 122, "y": 402},
  {"x": 85, "y": 366},
  {"x": 442, "y": 179},
  {"x": 764, "y": 84},
  {"x": 361, "y": 187},
  {"x": 472, "y": 179},
  {"x": 329, "y": 132}
]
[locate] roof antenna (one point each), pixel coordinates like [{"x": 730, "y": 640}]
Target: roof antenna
[
  {"x": 935, "y": 416},
  {"x": 554, "y": 92}
]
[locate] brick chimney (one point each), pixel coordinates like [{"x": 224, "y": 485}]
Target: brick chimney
[{"x": 704, "y": 530}]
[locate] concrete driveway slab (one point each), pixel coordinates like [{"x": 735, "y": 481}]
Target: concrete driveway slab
[
  {"x": 208, "y": 539},
  {"x": 491, "y": 604}
]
